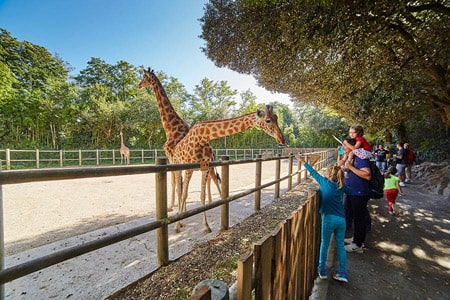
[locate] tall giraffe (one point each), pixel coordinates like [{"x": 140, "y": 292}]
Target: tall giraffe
[
  {"x": 124, "y": 151},
  {"x": 175, "y": 129},
  {"x": 194, "y": 147}
]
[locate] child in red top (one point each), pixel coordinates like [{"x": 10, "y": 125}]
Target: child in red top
[
  {"x": 362, "y": 148},
  {"x": 356, "y": 132}
]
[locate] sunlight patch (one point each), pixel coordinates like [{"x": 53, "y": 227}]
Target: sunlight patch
[
  {"x": 404, "y": 225},
  {"x": 395, "y": 259},
  {"x": 420, "y": 253},
  {"x": 393, "y": 247},
  {"x": 444, "y": 230},
  {"x": 443, "y": 261},
  {"x": 438, "y": 245}
]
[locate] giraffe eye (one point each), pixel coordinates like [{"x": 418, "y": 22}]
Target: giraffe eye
[{"x": 268, "y": 121}]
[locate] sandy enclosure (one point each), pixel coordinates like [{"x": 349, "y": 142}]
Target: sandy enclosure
[{"x": 41, "y": 217}]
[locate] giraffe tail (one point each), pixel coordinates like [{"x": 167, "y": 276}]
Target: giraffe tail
[{"x": 215, "y": 175}]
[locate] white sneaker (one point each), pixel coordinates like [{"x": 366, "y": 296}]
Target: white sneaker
[
  {"x": 354, "y": 248},
  {"x": 402, "y": 184}
]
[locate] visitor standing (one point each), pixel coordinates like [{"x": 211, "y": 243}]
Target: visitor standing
[
  {"x": 357, "y": 176},
  {"x": 381, "y": 157},
  {"x": 332, "y": 189},
  {"x": 401, "y": 160},
  {"x": 411, "y": 161}
]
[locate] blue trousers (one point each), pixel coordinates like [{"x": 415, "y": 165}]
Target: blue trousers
[
  {"x": 357, "y": 207},
  {"x": 332, "y": 224}
]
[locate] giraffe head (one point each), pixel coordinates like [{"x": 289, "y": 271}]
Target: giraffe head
[
  {"x": 268, "y": 122},
  {"x": 149, "y": 79}
]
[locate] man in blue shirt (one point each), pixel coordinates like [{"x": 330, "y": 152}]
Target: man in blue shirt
[
  {"x": 381, "y": 157},
  {"x": 357, "y": 176}
]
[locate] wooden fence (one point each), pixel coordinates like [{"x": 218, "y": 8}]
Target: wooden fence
[
  {"x": 163, "y": 220},
  {"x": 282, "y": 265},
  {"x": 29, "y": 159},
  {"x": 12, "y": 159}
]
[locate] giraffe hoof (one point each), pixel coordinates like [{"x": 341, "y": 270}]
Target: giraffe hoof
[
  {"x": 208, "y": 230},
  {"x": 170, "y": 209}
]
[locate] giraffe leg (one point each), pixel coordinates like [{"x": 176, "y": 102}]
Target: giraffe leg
[
  {"x": 172, "y": 199},
  {"x": 203, "y": 198},
  {"x": 215, "y": 177},
  {"x": 184, "y": 195}
]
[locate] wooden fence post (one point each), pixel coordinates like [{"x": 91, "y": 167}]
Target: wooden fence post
[
  {"x": 61, "y": 163},
  {"x": 161, "y": 213},
  {"x": 291, "y": 161},
  {"x": 97, "y": 157},
  {"x": 8, "y": 159},
  {"x": 225, "y": 187},
  {"x": 113, "y": 157},
  {"x": 277, "y": 177},
  {"x": 258, "y": 174},
  {"x": 37, "y": 158},
  {"x": 80, "y": 161},
  {"x": 244, "y": 284}
]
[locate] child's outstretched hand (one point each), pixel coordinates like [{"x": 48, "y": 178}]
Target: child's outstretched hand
[
  {"x": 314, "y": 158},
  {"x": 300, "y": 158}
]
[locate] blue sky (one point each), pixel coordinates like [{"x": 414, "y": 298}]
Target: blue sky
[{"x": 161, "y": 34}]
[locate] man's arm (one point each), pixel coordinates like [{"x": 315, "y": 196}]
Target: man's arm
[{"x": 364, "y": 173}]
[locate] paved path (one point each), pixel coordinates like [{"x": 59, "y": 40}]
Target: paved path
[
  {"x": 408, "y": 255},
  {"x": 42, "y": 217}
]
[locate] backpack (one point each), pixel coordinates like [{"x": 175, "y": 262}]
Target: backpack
[
  {"x": 376, "y": 182},
  {"x": 411, "y": 156}
]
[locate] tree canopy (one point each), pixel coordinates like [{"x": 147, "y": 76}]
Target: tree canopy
[
  {"x": 374, "y": 62},
  {"x": 42, "y": 106}
]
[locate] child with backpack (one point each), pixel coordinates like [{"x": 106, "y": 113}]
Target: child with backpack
[
  {"x": 332, "y": 189},
  {"x": 391, "y": 189}
]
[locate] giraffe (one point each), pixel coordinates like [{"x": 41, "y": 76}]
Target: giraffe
[
  {"x": 193, "y": 148},
  {"x": 124, "y": 151},
  {"x": 175, "y": 129}
]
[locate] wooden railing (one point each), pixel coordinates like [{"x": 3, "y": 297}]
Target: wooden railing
[{"x": 162, "y": 221}]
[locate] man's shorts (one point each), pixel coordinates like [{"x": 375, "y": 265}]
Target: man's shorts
[{"x": 400, "y": 169}]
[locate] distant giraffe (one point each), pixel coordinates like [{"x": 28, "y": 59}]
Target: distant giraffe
[
  {"x": 194, "y": 147},
  {"x": 124, "y": 151},
  {"x": 175, "y": 129}
]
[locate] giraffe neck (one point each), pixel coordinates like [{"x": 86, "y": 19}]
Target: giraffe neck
[
  {"x": 211, "y": 130},
  {"x": 174, "y": 126},
  {"x": 121, "y": 140}
]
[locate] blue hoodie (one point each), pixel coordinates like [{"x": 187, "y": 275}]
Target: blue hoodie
[{"x": 330, "y": 194}]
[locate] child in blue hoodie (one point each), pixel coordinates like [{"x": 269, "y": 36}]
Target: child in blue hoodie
[{"x": 332, "y": 190}]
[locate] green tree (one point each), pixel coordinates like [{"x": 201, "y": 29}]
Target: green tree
[
  {"x": 372, "y": 62},
  {"x": 35, "y": 72},
  {"x": 212, "y": 101}
]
